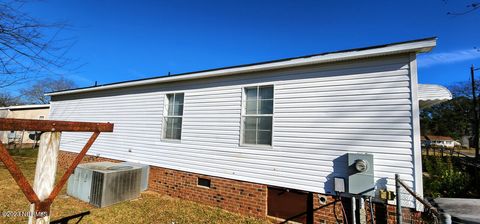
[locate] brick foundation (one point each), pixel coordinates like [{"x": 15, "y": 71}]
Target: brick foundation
[
  {"x": 236, "y": 196},
  {"x": 328, "y": 212},
  {"x": 232, "y": 195},
  {"x": 331, "y": 212},
  {"x": 239, "y": 196}
]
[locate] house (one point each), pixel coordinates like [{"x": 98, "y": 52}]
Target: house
[
  {"x": 238, "y": 137},
  {"x": 34, "y": 111},
  {"x": 440, "y": 141}
]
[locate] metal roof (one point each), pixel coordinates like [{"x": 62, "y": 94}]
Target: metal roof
[
  {"x": 418, "y": 46},
  {"x": 438, "y": 138}
]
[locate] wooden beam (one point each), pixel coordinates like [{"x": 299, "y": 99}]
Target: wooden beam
[
  {"x": 44, "y": 192},
  {"x": 9, "y": 124},
  {"x": 17, "y": 175},
  {"x": 45, "y": 175}
]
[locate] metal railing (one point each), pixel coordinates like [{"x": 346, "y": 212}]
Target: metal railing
[
  {"x": 429, "y": 208},
  {"x": 462, "y": 157}
]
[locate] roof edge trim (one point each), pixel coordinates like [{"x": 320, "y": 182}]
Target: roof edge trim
[
  {"x": 418, "y": 46},
  {"x": 26, "y": 106}
]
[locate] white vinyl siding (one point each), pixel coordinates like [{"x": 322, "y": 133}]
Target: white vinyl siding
[{"x": 320, "y": 113}]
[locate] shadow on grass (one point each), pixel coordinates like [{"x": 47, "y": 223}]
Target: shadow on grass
[{"x": 65, "y": 220}]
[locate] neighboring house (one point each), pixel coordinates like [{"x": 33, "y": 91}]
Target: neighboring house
[
  {"x": 35, "y": 111},
  {"x": 440, "y": 141},
  {"x": 232, "y": 137}
]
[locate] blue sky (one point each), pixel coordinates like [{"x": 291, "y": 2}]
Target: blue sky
[{"x": 125, "y": 40}]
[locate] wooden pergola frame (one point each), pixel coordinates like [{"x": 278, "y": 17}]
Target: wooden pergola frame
[{"x": 7, "y": 124}]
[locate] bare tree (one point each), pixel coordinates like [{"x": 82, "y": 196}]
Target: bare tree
[
  {"x": 464, "y": 88},
  {"x": 28, "y": 47},
  {"x": 35, "y": 94},
  {"x": 474, "y": 6},
  {"x": 7, "y": 99}
]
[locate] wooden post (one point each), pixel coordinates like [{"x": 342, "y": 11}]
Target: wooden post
[
  {"x": 14, "y": 141},
  {"x": 476, "y": 119},
  {"x": 37, "y": 137},
  {"x": 44, "y": 193},
  {"x": 45, "y": 172},
  {"x": 21, "y": 140},
  {"x": 34, "y": 140}
]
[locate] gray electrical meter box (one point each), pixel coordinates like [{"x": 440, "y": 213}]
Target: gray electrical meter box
[{"x": 360, "y": 174}]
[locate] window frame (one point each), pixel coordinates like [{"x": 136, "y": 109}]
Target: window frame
[
  {"x": 166, "y": 103},
  {"x": 243, "y": 114},
  {"x": 205, "y": 179}
]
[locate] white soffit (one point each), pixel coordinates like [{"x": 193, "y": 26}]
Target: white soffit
[{"x": 429, "y": 95}]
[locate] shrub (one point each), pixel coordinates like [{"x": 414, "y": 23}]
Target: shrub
[{"x": 444, "y": 179}]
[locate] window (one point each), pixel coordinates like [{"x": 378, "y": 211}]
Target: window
[
  {"x": 257, "y": 115},
  {"x": 172, "y": 124},
  {"x": 203, "y": 182},
  {"x": 41, "y": 117}
]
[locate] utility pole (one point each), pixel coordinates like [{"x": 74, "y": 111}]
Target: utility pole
[{"x": 475, "y": 112}]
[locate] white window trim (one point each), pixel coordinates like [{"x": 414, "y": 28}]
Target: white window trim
[
  {"x": 243, "y": 114},
  {"x": 201, "y": 186},
  {"x": 165, "y": 115}
]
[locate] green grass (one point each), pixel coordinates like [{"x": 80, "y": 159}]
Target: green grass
[
  {"x": 25, "y": 152},
  {"x": 149, "y": 208}
]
